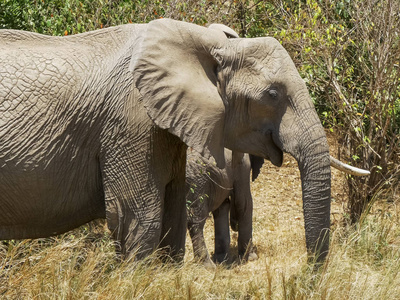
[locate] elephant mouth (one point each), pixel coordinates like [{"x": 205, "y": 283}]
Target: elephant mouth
[{"x": 275, "y": 154}]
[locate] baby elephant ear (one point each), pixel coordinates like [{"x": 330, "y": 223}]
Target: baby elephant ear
[
  {"x": 256, "y": 164},
  {"x": 174, "y": 68},
  {"x": 229, "y": 32}
]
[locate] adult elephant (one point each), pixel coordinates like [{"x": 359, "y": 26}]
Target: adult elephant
[
  {"x": 97, "y": 124},
  {"x": 210, "y": 189}
]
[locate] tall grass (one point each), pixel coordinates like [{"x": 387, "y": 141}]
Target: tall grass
[{"x": 364, "y": 263}]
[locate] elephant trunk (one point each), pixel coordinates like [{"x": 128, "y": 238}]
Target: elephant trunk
[
  {"x": 315, "y": 172},
  {"x": 312, "y": 154}
]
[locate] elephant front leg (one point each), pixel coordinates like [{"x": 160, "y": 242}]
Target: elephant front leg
[
  {"x": 246, "y": 249},
  {"x": 136, "y": 232},
  {"x": 133, "y": 202},
  {"x": 241, "y": 217},
  {"x": 222, "y": 234}
]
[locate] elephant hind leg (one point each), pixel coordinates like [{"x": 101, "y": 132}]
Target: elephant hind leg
[
  {"x": 173, "y": 233},
  {"x": 200, "y": 251}
]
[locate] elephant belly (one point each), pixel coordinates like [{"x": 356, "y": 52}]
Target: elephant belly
[
  {"x": 221, "y": 193},
  {"x": 39, "y": 203}
]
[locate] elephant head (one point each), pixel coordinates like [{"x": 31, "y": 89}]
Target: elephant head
[{"x": 243, "y": 94}]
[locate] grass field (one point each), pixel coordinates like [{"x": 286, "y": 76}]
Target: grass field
[{"x": 364, "y": 261}]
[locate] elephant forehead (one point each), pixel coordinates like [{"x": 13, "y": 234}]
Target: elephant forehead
[
  {"x": 266, "y": 56},
  {"x": 258, "y": 79}
]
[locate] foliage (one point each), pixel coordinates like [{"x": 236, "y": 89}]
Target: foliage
[
  {"x": 59, "y": 17},
  {"x": 348, "y": 52}
]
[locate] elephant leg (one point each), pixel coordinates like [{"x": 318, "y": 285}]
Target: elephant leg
[
  {"x": 136, "y": 233},
  {"x": 222, "y": 234},
  {"x": 242, "y": 213},
  {"x": 133, "y": 216},
  {"x": 196, "y": 231},
  {"x": 133, "y": 200},
  {"x": 246, "y": 249},
  {"x": 173, "y": 234}
]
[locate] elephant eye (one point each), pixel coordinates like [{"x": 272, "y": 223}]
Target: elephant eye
[{"x": 273, "y": 93}]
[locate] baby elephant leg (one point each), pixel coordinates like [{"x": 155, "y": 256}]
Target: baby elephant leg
[{"x": 200, "y": 251}]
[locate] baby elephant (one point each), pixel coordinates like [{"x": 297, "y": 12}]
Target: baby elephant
[{"x": 210, "y": 189}]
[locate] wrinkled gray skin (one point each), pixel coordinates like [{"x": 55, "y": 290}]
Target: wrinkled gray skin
[
  {"x": 210, "y": 189},
  {"x": 97, "y": 125}
]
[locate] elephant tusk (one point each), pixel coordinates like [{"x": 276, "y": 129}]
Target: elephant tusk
[{"x": 347, "y": 168}]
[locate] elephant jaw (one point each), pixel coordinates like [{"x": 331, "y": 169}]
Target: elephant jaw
[{"x": 275, "y": 154}]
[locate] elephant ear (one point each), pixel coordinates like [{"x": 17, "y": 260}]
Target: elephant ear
[
  {"x": 256, "y": 164},
  {"x": 174, "y": 67}
]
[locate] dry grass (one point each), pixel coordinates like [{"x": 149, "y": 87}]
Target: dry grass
[{"x": 364, "y": 262}]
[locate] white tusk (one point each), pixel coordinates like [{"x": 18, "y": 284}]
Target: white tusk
[{"x": 347, "y": 168}]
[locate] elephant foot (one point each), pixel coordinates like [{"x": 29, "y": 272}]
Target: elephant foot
[
  {"x": 250, "y": 255},
  {"x": 204, "y": 260},
  {"x": 220, "y": 258},
  {"x": 209, "y": 265}
]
